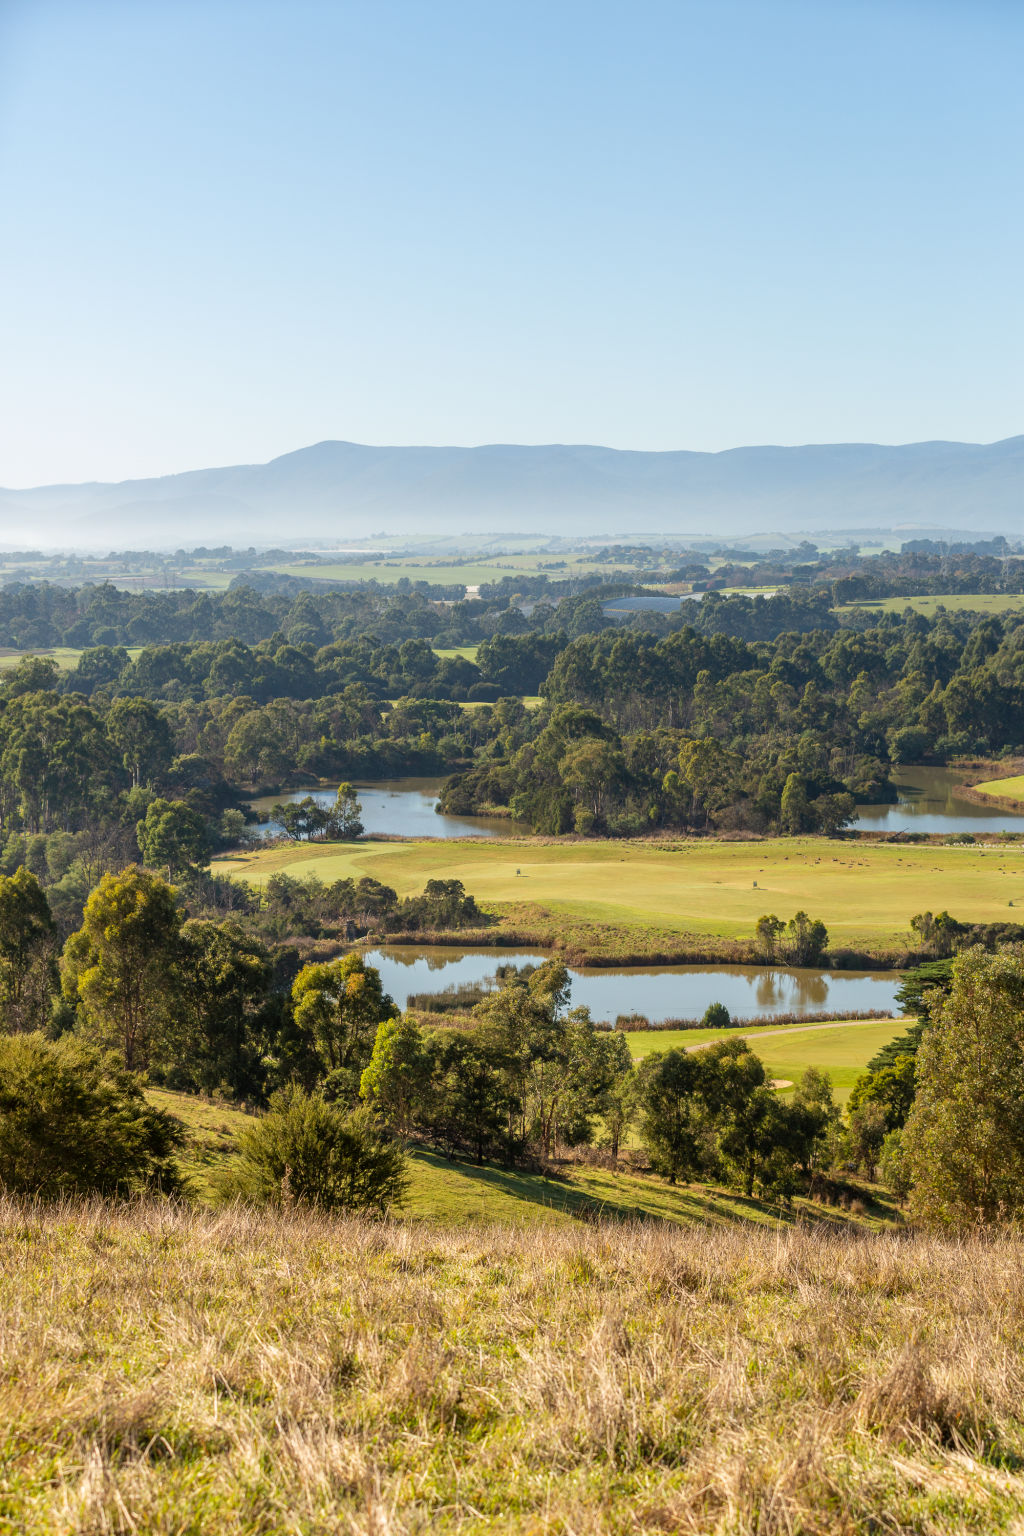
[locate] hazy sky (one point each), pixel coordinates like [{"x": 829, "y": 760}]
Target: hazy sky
[{"x": 232, "y": 228}]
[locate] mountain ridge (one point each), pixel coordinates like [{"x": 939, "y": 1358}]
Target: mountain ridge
[{"x": 345, "y": 489}]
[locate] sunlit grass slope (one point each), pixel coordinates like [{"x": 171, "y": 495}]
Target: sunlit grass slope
[
  {"x": 865, "y": 892},
  {"x": 459, "y": 1190},
  {"x": 174, "y": 1371}
]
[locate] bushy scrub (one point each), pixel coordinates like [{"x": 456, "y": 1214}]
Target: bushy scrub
[
  {"x": 74, "y": 1122},
  {"x": 307, "y": 1150}
]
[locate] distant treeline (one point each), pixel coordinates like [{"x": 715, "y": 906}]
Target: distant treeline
[{"x": 706, "y": 731}]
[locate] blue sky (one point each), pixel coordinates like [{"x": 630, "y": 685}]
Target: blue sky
[{"x": 230, "y": 229}]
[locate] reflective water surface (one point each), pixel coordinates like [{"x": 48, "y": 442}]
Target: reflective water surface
[
  {"x": 659, "y": 992},
  {"x": 927, "y": 804},
  {"x": 400, "y": 808}
]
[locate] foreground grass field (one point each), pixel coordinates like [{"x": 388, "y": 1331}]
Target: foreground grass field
[
  {"x": 187, "y": 1372},
  {"x": 864, "y": 892}
]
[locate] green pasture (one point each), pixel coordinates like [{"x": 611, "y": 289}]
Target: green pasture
[
  {"x": 388, "y": 572},
  {"x": 199, "y": 578},
  {"x": 972, "y": 602},
  {"x": 864, "y": 892},
  {"x": 465, "y": 652},
  {"x": 65, "y": 656},
  {"x": 842, "y": 1050},
  {"x": 1008, "y": 789},
  {"x": 530, "y": 700}
]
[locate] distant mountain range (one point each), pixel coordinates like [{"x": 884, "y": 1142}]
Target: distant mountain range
[{"x": 348, "y": 491}]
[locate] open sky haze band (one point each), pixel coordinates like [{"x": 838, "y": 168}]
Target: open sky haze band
[{"x": 231, "y": 229}]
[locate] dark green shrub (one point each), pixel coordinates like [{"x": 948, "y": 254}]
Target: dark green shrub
[
  {"x": 312, "y": 1151},
  {"x": 74, "y": 1122},
  {"x": 716, "y": 1016}
]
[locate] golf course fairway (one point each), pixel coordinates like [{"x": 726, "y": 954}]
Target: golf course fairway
[
  {"x": 841, "y": 1050},
  {"x": 864, "y": 892}
]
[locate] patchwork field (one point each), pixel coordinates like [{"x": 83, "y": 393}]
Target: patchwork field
[
  {"x": 864, "y": 892},
  {"x": 443, "y": 572}
]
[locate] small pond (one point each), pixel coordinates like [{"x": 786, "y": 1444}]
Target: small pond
[
  {"x": 659, "y": 992},
  {"x": 398, "y": 807},
  {"x": 927, "y": 804}
]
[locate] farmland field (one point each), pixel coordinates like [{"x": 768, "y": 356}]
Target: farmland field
[
  {"x": 65, "y": 656},
  {"x": 864, "y": 892},
  {"x": 959, "y": 602},
  {"x": 465, "y": 652},
  {"x": 442, "y": 572}
]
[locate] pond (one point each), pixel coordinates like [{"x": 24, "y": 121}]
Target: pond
[
  {"x": 659, "y": 992},
  {"x": 398, "y": 807},
  {"x": 927, "y": 804}
]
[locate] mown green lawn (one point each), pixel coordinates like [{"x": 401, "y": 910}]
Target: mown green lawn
[
  {"x": 1008, "y": 789},
  {"x": 864, "y": 892},
  {"x": 65, "y": 656}
]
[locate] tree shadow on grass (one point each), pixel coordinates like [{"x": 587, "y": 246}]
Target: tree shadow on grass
[{"x": 665, "y": 1202}]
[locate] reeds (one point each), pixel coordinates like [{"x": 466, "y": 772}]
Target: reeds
[
  {"x": 640, "y": 1022},
  {"x": 170, "y": 1370}
]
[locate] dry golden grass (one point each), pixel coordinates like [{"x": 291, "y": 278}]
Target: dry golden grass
[{"x": 166, "y": 1370}]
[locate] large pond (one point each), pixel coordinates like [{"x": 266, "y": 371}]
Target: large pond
[
  {"x": 927, "y": 804},
  {"x": 658, "y": 992},
  {"x": 407, "y": 808},
  {"x": 399, "y": 807}
]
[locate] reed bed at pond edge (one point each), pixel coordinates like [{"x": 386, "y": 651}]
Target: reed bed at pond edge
[{"x": 640, "y": 1022}]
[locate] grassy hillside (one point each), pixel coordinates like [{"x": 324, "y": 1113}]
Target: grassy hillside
[
  {"x": 865, "y": 892},
  {"x": 440, "y": 1190},
  {"x": 171, "y": 1371}
]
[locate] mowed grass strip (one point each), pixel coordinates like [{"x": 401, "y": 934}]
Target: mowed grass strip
[
  {"x": 842, "y": 1050},
  {"x": 864, "y": 892}
]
